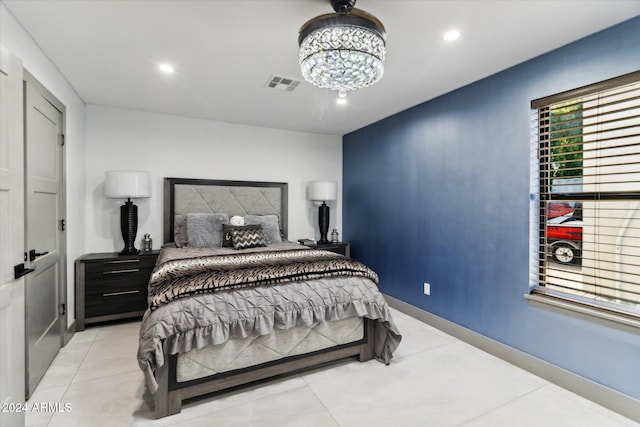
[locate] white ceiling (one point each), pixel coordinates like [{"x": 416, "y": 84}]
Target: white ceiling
[{"x": 224, "y": 52}]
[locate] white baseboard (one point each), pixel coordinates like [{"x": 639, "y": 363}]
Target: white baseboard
[{"x": 602, "y": 395}]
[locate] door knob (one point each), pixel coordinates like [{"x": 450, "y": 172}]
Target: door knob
[{"x": 33, "y": 254}]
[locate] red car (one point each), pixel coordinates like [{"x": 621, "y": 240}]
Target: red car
[
  {"x": 558, "y": 209},
  {"x": 564, "y": 237}
]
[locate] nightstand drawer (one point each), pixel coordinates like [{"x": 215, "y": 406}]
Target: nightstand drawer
[
  {"x": 115, "y": 302},
  {"x": 119, "y": 266},
  {"x": 97, "y": 284}
]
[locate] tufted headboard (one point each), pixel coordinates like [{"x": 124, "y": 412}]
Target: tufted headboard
[{"x": 185, "y": 195}]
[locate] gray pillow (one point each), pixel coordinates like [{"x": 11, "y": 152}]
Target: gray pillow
[
  {"x": 270, "y": 226},
  {"x": 204, "y": 230},
  {"x": 180, "y": 231}
]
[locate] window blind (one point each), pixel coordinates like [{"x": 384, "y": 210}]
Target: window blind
[{"x": 588, "y": 194}]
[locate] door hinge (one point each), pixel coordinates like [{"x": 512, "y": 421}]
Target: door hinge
[
  {"x": 62, "y": 139},
  {"x": 63, "y": 309},
  {"x": 61, "y": 225}
]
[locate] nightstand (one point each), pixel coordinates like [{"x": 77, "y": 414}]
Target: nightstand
[
  {"x": 110, "y": 286},
  {"x": 342, "y": 248}
]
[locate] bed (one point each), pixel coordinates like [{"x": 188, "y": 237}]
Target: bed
[{"x": 232, "y": 305}]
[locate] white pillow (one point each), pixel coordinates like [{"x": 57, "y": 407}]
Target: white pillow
[{"x": 236, "y": 220}]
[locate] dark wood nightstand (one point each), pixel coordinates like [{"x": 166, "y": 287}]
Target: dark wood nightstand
[
  {"x": 342, "y": 248},
  {"x": 110, "y": 287}
]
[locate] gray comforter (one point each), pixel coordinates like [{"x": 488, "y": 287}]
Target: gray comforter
[{"x": 214, "y": 318}]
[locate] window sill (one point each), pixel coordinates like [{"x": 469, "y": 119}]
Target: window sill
[{"x": 585, "y": 310}]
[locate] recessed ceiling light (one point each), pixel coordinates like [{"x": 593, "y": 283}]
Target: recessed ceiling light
[
  {"x": 451, "y": 35},
  {"x": 167, "y": 68},
  {"x": 342, "y": 97}
]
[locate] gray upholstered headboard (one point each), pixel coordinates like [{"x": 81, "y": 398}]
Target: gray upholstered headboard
[{"x": 184, "y": 195}]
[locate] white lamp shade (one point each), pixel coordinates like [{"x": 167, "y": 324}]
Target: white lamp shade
[
  {"x": 323, "y": 190},
  {"x": 127, "y": 184}
]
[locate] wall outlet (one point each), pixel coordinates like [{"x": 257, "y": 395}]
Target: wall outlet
[{"x": 427, "y": 288}]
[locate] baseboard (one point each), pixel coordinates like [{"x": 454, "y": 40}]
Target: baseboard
[{"x": 602, "y": 395}]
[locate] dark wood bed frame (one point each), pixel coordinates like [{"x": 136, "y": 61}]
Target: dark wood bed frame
[{"x": 171, "y": 393}]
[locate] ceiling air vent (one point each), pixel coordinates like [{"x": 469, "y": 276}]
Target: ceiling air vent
[{"x": 282, "y": 83}]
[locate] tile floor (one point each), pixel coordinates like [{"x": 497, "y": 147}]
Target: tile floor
[{"x": 434, "y": 380}]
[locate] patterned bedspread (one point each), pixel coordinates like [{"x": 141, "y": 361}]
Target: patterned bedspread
[
  {"x": 210, "y": 318},
  {"x": 179, "y": 278}
]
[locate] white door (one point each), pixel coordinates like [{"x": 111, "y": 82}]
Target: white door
[
  {"x": 43, "y": 167},
  {"x": 12, "y": 369}
]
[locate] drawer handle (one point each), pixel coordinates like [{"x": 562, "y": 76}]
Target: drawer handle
[
  {"x": 113, "y": 294},
  {"x": 132, "y": 270},
  {"x": 121, "y": 261}
]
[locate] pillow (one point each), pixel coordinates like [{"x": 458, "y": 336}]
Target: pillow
[
  {"x": 227, "y": 237},
  {"x": 248, "y": 236},
  {"x": 180, "y": 231},
  {"x": 270, "y": 225},
  {"x": 236, "y": 220},
  {"x": 204, "y": 230}
]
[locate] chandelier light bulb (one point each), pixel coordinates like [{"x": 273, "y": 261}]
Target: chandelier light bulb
[{"x": 344, "y": 50}]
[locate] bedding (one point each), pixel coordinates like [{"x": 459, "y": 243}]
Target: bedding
[
  {"x": 251, "y": 294},
  {"x": 251, "y": 351}
]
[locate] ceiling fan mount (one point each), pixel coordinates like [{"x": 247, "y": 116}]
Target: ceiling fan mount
[{"x": 342, "y": 6}]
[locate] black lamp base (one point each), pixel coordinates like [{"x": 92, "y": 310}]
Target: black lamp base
[
  {"x": 129, "y": 227},
  {"x": 323, "y": 222}
]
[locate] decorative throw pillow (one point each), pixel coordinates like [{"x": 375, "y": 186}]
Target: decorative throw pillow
[
  {"x": 204, "y": 230},
  {"x": 236, "y": 220},
  {"x": 227, "y": 237},
  {"x": 270, "y": 224},
  {"x": 248, "y": 236}
]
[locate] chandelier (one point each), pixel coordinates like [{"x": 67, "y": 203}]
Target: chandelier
[{"x": 344, "y": 50}]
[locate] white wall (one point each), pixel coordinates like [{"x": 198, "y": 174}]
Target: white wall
[
  {"x": 19, "y": 42},
  {"x": 179, "y": 147}
]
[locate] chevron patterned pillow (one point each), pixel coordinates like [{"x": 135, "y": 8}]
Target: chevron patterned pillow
[{"x": 248, "y": 236}]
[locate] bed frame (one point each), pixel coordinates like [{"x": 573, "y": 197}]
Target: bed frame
[{"x": 259, "y": 198}]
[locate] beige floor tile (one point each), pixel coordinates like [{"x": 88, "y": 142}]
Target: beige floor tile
[
  {"x": 88, "y": 335},
  {"x": 446, "y": 386},
  {"x": 65, "y": 365},
  {"x": 294, "y": 408},
  {"x": 118, "y": 330},
  {"x": 551, "y": 406},
  {"x": 208, "y": 406},
  {"x": 111, "y": 401},
  {"x": 39, "y": 409},
  {"x": 417, "y": 336},
  {"x": 109, "y": 357}
]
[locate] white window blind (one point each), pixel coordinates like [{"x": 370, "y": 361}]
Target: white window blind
[{"x": 588, "y": 195}]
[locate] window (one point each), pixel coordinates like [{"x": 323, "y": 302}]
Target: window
[{"x": 586, "y": 196}]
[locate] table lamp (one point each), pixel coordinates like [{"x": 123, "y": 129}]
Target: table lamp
[
  {"x": 322, "y": 191},
  {"x": 127, "y": 185}
]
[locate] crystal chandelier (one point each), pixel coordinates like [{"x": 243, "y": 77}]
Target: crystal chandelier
[{"x": 344, "y": 50}]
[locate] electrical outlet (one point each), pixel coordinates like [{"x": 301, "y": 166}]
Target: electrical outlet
[{"x": 427, "y": 288}]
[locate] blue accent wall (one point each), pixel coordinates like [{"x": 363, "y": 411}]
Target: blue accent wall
[{"x": 439, "y": 193}]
